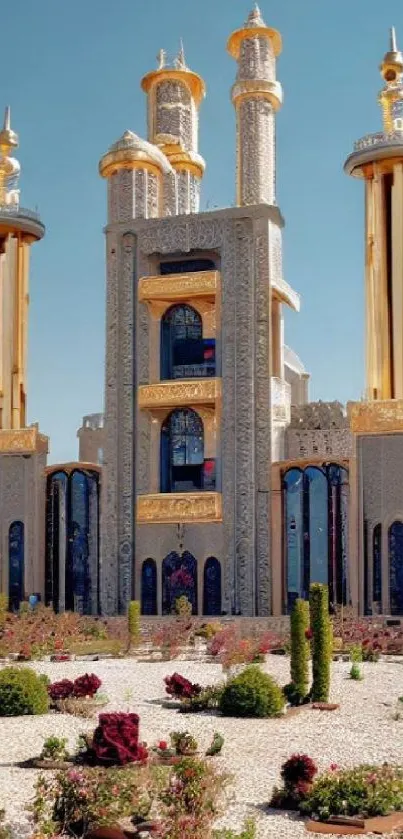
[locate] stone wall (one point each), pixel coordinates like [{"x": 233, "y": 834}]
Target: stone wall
[{"x": 318, "y": 429}]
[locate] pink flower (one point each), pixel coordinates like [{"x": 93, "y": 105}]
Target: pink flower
[{"x": 333, "y": 767}]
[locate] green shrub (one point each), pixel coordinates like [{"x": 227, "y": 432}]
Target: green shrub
[
  {"x": 134, "y": 623},
  {"x": 248, "y": 832},
  {"x": 356, "y": 653},
  {"x": 364, "y": 791},
  {"x": 300, "y": 648},
  {"x": 22, "y": 691},
  {"x": 183, "y": 607},
  {"x": 355, "y": 673},
  {"x": 321, "y": 641},
  {"x": 252, "y": 694}
]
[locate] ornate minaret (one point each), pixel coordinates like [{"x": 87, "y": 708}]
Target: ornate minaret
[
  {"x": 378, "y": 159},
  {"x": 19, "y": 228},
  {"x": 256, "y": 96},
  {"x": 174, "y": 96}
]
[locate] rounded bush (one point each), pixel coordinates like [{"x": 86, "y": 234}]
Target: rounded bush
[
  {"x": 252, "y": 694},
  {"x": 22, "y": 691}
]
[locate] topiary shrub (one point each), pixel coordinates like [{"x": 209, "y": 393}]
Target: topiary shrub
[
  {"x": 321, "y": 642},
  {"x": 134, "y": 623},
  {"x": 22, "y": 691},
  {"x": 300, "y": 650},
  {"x": 252, "y": 694}
]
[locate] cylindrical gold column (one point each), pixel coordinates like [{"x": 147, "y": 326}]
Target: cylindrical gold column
[
  {"x": 397, "y": 278},
  {"x": 379, "y": 372}
]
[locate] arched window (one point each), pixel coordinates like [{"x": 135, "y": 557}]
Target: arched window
[
  {"x": 293, "y": 484},
  {"x": 182, "y": 349},
  {"x": 179, "y": 578},
  {"x": 396, "y": 568},
  {"x": 377, "y": 566},
  {"x": 16, "y": 564},
  {"x": 316, "y": 531},
  {"x": 72, "y": 541},
  {"x": 149, "y": 587},
  {"x": 212, "y": 587},
  {"x": 182, "y": 452}
]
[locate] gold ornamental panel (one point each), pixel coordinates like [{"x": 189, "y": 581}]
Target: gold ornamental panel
[
  {"x": 179, "y": 287},
  {"x": 174, "y": 508},
  {"x": 179, "y": 393},
  {"x": 376, "y": 417},
  {"x": 22, "y": 441}
]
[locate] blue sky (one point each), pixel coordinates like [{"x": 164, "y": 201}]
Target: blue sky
[{"x": 71, "y": 72}]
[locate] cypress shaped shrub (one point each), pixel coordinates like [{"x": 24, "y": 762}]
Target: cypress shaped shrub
[
  {"x": 134, "y": 623},
  {"x": 300, "y": 649},
  {"x": 321, "y": 641}
]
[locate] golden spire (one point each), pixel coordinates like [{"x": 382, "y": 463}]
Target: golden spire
[
  {"x": 9, "y": 167},
  {"x": 392, "y": 74}
]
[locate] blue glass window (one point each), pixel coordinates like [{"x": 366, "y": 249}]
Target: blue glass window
[
  {"x": 179, "y": 578},
  {"x": 377, "y": 565},
  {"x": 293, "y": 485},
  {"x": 182, "y": 452},
  {"x": 212, "y": 587},
  {"x": 184, "y": 353},
  {"x": 16, "y": 564},
  {"x": 149, "y": 587},
  {"x": 396, "y": 568}
]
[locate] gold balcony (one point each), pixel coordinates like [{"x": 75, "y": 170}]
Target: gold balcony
[
  {"x": 179, "y": 393},
  {"x": 23, "y": 441},
  {"x": 174, "y": 508},
  {"x": 179, "y": 288}
]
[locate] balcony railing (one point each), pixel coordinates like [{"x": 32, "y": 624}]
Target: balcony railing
[
  {"x": 280, "y": 400},
  {"x": 394, "y": 138},
  {"x": 15, "y": 210}
]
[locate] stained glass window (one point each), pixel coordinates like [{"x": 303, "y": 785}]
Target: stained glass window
[
  {"x": 56, "y": 517},
  {"x": 377, "y": 565},
  {"x": 149, "y": 587},
  {"x": 212, "y": 587},
  {"x": 16, "y": 564},
  {"x": 396, "y": 568},
  {"x": 317, "y": 487},
  {"x": 179, "y": 577},
  {"x": 293, "y": 481},
  {"x": 182, "y": 452}
]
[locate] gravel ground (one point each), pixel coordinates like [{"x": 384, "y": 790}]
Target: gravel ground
[{"x": 362, "y": 730}]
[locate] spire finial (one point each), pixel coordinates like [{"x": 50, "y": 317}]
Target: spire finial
[
  {"x": 255, "y": 17},
  {"x": 393, "y": 41},
  {"x": 161, "y": 58},
  {"x": 180, "y": 61},
  {"x": 7, "y": 118}
]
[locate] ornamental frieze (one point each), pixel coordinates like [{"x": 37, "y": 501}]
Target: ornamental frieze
[
  {"x": 183, "y": 507},
  {"x": 178, "y": 286},
  {"x": 172, "y": 394}
]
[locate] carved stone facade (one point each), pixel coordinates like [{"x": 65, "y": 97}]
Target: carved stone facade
[
  {"x": 241, "y": 240},
  {"x": 318, "y": 429}
]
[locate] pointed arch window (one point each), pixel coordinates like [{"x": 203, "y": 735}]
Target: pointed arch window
[
  {"x": 377, "y": 566},
  {"x": 184, "y": 354},
  {"x": 212, "y": 587},
  {"x": 396, "y": 568},
  {"x": 149, "y": 587},
  {"x": 182, "y": 452},
  {"x": 179, "y": 578},
  {"x": 16, "y": 564}
]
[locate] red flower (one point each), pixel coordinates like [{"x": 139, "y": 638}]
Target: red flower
[
  {"x": 333, "y": 767},
  {"x": 86, "y": 685},
  {"x": 116, "y": 740},
  {"x": 163, "y": 745},
  {"x": 308, "y": 634}
]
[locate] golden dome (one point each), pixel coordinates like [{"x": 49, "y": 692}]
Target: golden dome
[
  {"x": 132, "y": 152},
  {"x": 392, "y": 65}
]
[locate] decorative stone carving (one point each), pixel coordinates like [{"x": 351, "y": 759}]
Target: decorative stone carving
[
  {"x": 319, "y": 415},
  {"x": 367, "y": 417},
  {"x": 190, "y": 392},
  {"x": 23, "y": 440},
  {"x": 334, "y": 443},
  {"x": 181, "y": 507},
  {"x": 174, "y": 287}
]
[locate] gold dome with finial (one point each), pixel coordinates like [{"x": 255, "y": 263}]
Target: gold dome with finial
[
  {"x": 254, "y": 25},
  {"x": 9, "y": 166},
  {"x": 392, "y": 64},
  {"x": 391, "y": 97}
]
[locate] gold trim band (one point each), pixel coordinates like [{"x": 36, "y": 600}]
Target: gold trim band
[{"x": 173, "y": 508}]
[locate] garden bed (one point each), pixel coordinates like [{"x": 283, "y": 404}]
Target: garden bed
[{"x": 381, "y": 826}]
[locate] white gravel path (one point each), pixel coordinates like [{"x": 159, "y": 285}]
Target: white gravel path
[{"x": 362, "y": 730}]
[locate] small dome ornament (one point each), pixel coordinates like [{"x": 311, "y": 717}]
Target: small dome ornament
[
  {"x": 392, "y": 65},
  {"x": 9, "y": 166},
  {"x": 132, "y": 152}
]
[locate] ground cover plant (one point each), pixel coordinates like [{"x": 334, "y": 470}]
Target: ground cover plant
[
  {"x": 81, "y": 688},
  {"x": 364, "y": 791},
  {"x": 372, "y": 635},
  {"x": 297, "y": 774},
  {"x": 231, "y": 648}
]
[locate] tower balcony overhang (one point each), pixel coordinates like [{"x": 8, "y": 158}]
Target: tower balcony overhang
[
  {"x": 174, "y": 508},
  {"x": 283, "y": 292},
  {"x": 159, "y": 292},
  {"x": 374, "y": 148},
  {"x": 20, "y": 220},
  {"x": 183, "y": 393},
  {"x": 260, "y": 89}
]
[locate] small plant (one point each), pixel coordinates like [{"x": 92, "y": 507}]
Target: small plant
[
  {"x": 356, "y": 653},
  {"x": 180, "y": 688},
  {"x": 209, "y": 699},
  {"x": 355, "y": 673},
  {"x": 216, "y": 745},
  {"x": 54, "y": 748},
  {"x": 84, "y": 687},
  {"x": 300, "y": 650},
  {"x": 116, "y": 741},
  {"x": 252, "y": 694},
  {"x": 134, "y": 623},
  {"x": 248, "y": 832},
  {"x": 321, "y": 641},
  {"x": 5, "y": 831},
  {"x": 183, "y": 743},
  {"x": 191, "y": 799},
  {"x": 162, "y": 749},
  {"x": 297, "y": 773},
  {"x": 183, "y": 607},
  {"x": 364, "y": 791},
  {"x": 22, "y": 691},
  {"x": 61, "y": 690}
]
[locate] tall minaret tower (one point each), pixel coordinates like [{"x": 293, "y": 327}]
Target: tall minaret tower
[
  {"x": 378, "y": 159},
  {"x": 257, "y": 96},
  {"x": 19, "y": 228},
  {"x": 174, "y": 94}
]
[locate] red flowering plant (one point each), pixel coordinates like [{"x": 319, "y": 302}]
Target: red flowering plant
[
  {"x": 61, "y": 690},
  {"x": 297, "y": 773},
  {"x": 180, "y": 688},
  {"x": 86, "y": 686},
  {"x": 191, "y": 800},
  {"x": 232, "y": 649},
  {"x": 163, "y": 750},
  {"x": 116, "y": 741}
]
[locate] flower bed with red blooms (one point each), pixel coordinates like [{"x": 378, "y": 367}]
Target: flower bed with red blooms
[
  {"x": 116, "y": 741},
  {"x": 180, "y": 688},
  {"x": 83, "y": 687},
  {"x": 230, "y": 648},
  {"x": 371, "y": 634}
]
